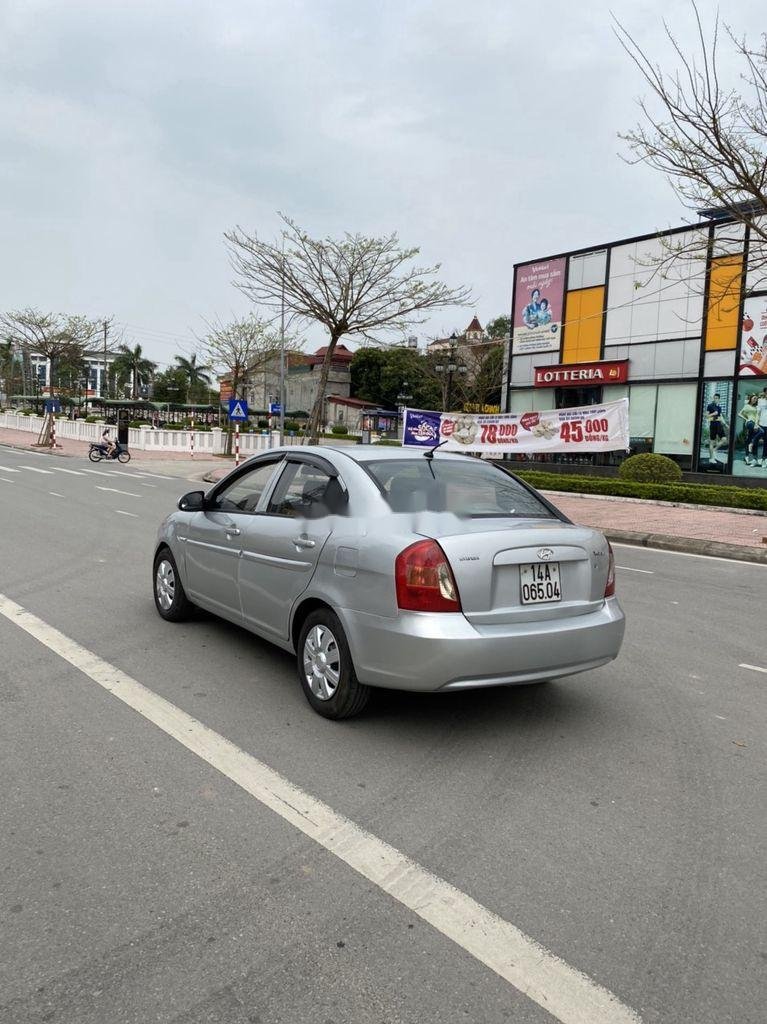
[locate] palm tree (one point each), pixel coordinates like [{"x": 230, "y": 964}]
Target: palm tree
[
  {"x": 130, "y": 364},
  {"x": 197, "y": 377}
]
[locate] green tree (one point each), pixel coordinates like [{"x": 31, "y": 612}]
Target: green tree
[
  {"x": 9, "y": 368},
  {"x": 198, "y": 382},
  {"x": 132, "y": 366},
  {"x": 170, "y": 386},
  {"x": 385, "y": 376},
  {"x": 59, "y": 339},
  {"x": 499, "y": 328}
]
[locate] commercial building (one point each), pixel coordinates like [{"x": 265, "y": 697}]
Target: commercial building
[{"x": 676, "y": 321}]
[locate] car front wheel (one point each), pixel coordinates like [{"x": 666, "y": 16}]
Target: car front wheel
[
  {"x": 325, "y": 667},
  {"x": 169, "y": 596}
]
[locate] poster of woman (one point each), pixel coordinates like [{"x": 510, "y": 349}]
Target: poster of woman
[
  {"x": 753, "y": 338},
  {"x": 538, "y": 302},
  {"x": 750, "y": 430}
]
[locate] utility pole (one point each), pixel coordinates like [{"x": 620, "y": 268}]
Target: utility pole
[
  {"x": 282, "y": 347},
  {"x": 105, "y": 378}
]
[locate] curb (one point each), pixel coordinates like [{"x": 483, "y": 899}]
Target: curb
[
  {"x": 689, "y": 545},
  {"x": 655, "y": 501}
]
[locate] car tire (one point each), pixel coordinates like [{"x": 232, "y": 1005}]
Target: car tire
[
  {"x": 325, "y": 667},
  {"x": 170, "y": 598},
  {"x": 123, "y": 457},
  {"x": 94, "y": 455}
]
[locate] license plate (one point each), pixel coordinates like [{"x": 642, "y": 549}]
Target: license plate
[{"x": 540, "y": 582}]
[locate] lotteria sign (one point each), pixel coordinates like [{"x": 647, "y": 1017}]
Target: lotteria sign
[{"x": 571, "y": 375}]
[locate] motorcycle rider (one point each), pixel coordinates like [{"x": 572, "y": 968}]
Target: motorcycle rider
[{"x": 108, "y": 443}]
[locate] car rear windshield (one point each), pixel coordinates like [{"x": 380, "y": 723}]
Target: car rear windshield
[{"x": 465, "y": 487}]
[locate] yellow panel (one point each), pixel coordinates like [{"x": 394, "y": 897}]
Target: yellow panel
[
  {"x": 583, "y": 325},
  {"x": 723, "y": 302}
]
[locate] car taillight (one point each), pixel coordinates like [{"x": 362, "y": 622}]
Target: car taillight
[
  {"x": 424, "y": 579},
  {"x": 610, "y": 585}
]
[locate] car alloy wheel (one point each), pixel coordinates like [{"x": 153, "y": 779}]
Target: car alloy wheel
[
  {"x": 165, "y": 584},
  {"x": 322, "y": 662}
]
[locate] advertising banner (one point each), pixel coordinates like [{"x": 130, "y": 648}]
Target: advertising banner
[
  {"x": 753, "y": 338},
  {"x": 715, "y": 428},
  {"x": 750, "y": 429},
  {"x": 572, "y": 375},
  {"x": 539, "y": 290},
  {"x": 593, "y": 428}
]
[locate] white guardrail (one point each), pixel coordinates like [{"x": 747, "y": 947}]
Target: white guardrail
[{"x": 206, "y": 442}]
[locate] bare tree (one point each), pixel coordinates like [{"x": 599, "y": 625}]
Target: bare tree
[
  {"x": 351, "y": 285},
  {"x": 51, "y": 335},
  {"x": 708, "y": 139},
  {"x": 243, "y": 348}
]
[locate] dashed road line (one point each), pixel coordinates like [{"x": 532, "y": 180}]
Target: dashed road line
[
  {"x": 114, "y": 490},
  {"x": 56, "y": 494},
  {"x": 120, "y": 512},
  {"x": 754, "y": 668},
  {"x": 73, "y": 472},
  {"x": 96, "y": 472},
  {"x": 567, "y": 994},
  {"x": 687, "y": 554},
  {"x": 8, "y": 469},
  {"x": 34, "y": 469},
  {"x": 6, "y": 480},
  {"x": 630, "y": 568}
]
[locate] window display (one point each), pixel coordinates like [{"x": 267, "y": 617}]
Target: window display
[
  {"x": 715, "y": 426},
  {"x": 750, "y": 430}
]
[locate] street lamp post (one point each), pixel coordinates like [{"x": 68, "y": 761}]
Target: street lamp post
[
  {"x": 450, "y": 367},
  {"x": 403, "y": 398}
]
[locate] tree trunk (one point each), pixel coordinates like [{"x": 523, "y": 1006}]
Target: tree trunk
[{"x": 315, "y": 420}]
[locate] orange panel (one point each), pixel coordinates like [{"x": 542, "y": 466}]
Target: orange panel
[
  {"x": 723, "y": 302},
  {"x": 583, "y": 325}
]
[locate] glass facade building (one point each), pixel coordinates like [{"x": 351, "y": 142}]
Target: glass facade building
[{"x": 682, "y": 314}]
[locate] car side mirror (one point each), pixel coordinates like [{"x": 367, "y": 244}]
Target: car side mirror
[{"x": 194, "y": 501}]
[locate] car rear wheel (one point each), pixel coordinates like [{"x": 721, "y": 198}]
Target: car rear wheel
[
  {"x": 325, "y": 667},
  {"x": 169, "y": 596}
]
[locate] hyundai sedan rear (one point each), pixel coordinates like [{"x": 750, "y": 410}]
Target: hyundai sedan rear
[{"x": 388, "y": 568}]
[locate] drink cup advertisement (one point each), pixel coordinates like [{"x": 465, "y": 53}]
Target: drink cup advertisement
[
  {"x": 753, "y": 338},
  {"x": 597, "y": 428}
]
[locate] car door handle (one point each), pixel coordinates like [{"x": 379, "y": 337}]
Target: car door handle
[
  {"x": 304, "y": 542},
  {"x": 232, "y": 531}
]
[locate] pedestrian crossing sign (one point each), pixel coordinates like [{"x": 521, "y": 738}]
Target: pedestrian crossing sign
[{"x": 238, "y": 409}]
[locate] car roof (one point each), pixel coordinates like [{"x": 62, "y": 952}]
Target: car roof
[{"x": 376, "y": 453}]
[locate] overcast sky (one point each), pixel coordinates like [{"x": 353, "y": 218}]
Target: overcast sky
[{"x": 132, "y": 134}]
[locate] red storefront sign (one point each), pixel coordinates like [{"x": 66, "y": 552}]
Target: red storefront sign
[{"x": 571, "y": 375}]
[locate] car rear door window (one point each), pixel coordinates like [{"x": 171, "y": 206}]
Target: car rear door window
[{"x": 303, "y": 490}]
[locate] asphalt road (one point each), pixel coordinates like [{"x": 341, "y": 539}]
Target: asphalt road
[{"x": 617, "y": 818}]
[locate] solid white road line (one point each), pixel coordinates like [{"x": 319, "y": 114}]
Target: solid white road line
[
  {"x": 120, "y": 512},
  {"x": 630, "y": 568},
  {"x": 34, "y": 469},
  {"x": 114, "y": 490},
  {"x": 754, "y": 668},
  {"x": 564, "y": 992},
  {"x": 686, "y": 554}
]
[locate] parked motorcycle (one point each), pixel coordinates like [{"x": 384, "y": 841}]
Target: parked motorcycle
[{"x": 98, "y": 452}]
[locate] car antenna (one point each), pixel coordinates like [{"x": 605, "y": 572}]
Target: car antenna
[{"x": 430, "y": 454}]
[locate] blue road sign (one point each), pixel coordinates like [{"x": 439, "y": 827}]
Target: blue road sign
[
  {"x": 238, "y": 409},
  {"x": 275, "y": 408},
  {"x": 52, "y": 405}
]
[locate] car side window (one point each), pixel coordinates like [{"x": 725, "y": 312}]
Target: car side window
[
  {"x": 244, "y": 493},
  {"x": 303, "y": 490}
]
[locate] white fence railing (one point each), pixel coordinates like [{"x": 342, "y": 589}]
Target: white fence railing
[{"x": 206, "y": 442}]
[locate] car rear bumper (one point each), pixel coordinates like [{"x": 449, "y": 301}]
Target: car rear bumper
[{"x": 425, "y": 651}]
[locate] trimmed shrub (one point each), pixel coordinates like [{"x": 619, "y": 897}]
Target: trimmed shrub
[
  {"x": 292, "y": 425},
  {"x": 649, "y": 468},
  {"x": 91, "y": 419},
  {"x": 388, "y": 441},
  {"x": 339, "y": 428},
  {"x": 693, "y": 494}
]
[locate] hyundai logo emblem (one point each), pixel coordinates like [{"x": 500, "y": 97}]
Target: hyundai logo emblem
[{"x": 545, "y": 554}]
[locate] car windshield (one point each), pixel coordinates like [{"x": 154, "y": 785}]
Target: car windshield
[{"x": 468, "y": 487}]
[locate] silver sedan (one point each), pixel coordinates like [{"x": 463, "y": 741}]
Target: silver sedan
[{"x": 386, "y": 567}]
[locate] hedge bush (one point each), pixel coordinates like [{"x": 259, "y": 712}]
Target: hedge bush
[
  {"x": 339, "y": 428},
  {"x": 649, "y": 468},
  {"x": 693, "y": 494}
]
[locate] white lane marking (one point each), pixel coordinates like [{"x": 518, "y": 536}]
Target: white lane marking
[
  {"x": 74, "y": 472},
  {"x": 96, "y": 472},
  {"x": 34, "y": 469},
  {"x": 8, "y": 469},
  {"x": 120, "y": 512},
  {"x": 686, "y": 554},
  {"x": 121, "y": 472},
  {"x": 568, "y": 995},
  {"x": 158, "y": 476},
  {"x": 630, "y": 568},
  {"x": 754, "y": 668},
  {"x": 114, "y": 490},
  {"x": 6, "y": 480},
  {"x": 143, "y": 484},
  {"x": 56, "y": 494}
]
